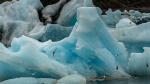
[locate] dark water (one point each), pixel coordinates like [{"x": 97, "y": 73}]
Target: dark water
[{"x": 124, "y": 81}]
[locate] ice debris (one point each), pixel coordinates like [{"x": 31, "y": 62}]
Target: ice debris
[{"x": 111, "y": 18}]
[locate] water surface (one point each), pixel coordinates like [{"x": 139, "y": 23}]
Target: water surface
[{"x": 124, "y": 81}]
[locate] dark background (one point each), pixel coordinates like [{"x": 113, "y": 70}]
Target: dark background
[{"x": 141, "y": 5}]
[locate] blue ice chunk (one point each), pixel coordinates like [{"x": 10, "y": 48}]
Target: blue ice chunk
[
  {"x": 112, "y": 18},
  {"x": 135, "y": 14},
  {"x": 139, "y": 63},
  {"x": 68, "y": 14},
  {"x": 33, "y": 3},
  {"x": 17, "y": 11},
  {"x": 100, "y": 39},
  {"x": 54, "y": 32},
  {"x": 135, "y": 34},
  {"x": 71, "y": 79},
  {"x": 135, "y": 38},
  {"x": 125, "y": 23},
  {"x": 25, "y": 54},
  {"x": 92, "y": 52},
  {"x": 52, "y": 10},
  {"x": 11, "y": 29}
]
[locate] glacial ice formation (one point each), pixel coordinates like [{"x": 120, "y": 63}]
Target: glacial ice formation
[{"x": 81, "y": 46}]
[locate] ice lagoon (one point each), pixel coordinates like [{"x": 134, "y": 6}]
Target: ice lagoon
[{"x": 80, "y": 45}]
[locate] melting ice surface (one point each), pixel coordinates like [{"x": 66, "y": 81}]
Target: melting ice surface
[{"x": 80, "y": 47}]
